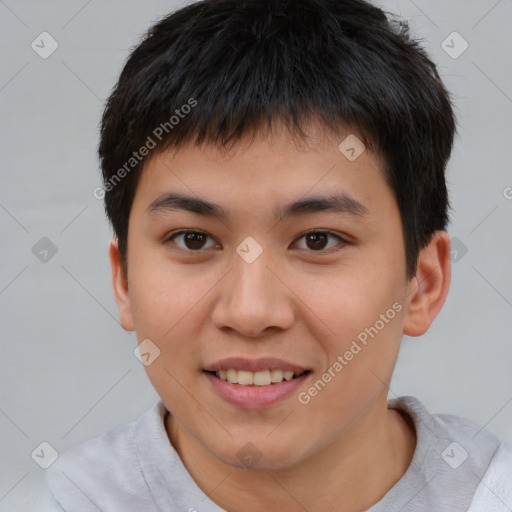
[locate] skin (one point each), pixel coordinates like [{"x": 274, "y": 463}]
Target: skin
[{"x": 345, "y": 447}]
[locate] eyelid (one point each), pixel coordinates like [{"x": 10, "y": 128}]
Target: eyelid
[
  {"x": 173, "y": 234},
  {"x": 343, "y": 239}
]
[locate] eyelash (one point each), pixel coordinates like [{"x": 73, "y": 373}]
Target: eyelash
[{"x": 343, "y": 241}]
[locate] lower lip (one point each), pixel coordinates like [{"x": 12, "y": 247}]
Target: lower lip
[{"x": 255, "y": 397}]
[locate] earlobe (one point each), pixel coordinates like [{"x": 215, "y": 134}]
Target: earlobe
[
  {"x": 120, "y": 287},
  {"x": 427, "y": 291}
]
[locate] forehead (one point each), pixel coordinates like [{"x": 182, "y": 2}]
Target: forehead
[{"x": 275, "y": 172}]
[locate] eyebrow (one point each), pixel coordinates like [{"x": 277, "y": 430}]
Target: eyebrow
[{"x": 338, "y": 203}]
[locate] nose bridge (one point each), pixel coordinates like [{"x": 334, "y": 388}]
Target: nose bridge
[
  {"x": 252, "y": 298},
  {"x": 251, "y": 273},
  {"x": 251, "y": 288}
]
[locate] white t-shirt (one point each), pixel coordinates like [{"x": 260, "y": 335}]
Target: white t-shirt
[{"x": 456, "y": 466}]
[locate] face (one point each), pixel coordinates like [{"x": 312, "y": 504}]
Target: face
[{"x": 253, "y": 295}]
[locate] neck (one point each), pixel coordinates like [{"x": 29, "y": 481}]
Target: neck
[{"x": 355, "y": 471}]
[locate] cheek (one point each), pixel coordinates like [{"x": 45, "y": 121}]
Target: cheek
[
  {"x": 342, "y": 302},
  {"x": 166, "y": 309},
  {"x": 169, "y": 306},
  {"x": 165, "y": 297},
  {"x": 358, "y": 318},
  {"x": 361, "y": 353}
]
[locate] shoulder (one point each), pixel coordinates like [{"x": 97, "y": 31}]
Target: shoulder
[
  {"x": 33, "y": 496},
  {"x": 454, "y": 451},
  {"x": 495, "y": 489},
  {"x": 457, "y": 441},
  {"x": 107, "y": 467}
]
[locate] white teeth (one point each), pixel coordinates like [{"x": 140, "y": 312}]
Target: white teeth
[
  {"x": 261, "y": 378},
  {"x": 245, "y": 378},
  {"x": 276, "y": 375}
]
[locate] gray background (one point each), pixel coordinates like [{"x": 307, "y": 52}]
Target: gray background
[{"x": 67, "y": 369}]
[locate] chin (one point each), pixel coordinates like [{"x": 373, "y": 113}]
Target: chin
[{"x": 260, "y": 455}]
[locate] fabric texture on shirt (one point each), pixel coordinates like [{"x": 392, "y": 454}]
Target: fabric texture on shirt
[{"x": 134, "y": 467}]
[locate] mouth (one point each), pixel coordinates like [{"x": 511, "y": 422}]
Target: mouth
[
  {"x": 260, "y": 378},
  {"x": 255, "y": 384}
]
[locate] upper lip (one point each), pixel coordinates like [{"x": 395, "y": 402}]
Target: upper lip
[{"x": 253, "y": 365}]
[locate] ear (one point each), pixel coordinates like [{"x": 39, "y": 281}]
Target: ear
[
  {"x": 120, "y": 286},
  {"x": 427, "y": 291}
]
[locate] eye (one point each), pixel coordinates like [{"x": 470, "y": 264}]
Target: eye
[
  {"x": 192, "y": 241},
  {"x": 318, "y": 240}
]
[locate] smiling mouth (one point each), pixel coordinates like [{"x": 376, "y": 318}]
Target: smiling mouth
[{"x": 260, "y": 378}]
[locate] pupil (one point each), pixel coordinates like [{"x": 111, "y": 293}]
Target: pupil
[
  {"x": 317, "y": 244},
  {"x": 196, "y": 240},
  {"x": 193, "y": 238}
]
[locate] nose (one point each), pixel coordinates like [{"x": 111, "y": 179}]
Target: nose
[{"x": 253, "y": 299}]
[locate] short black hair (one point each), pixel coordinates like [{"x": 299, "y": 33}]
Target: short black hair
[{"x": 216, "y": 70}]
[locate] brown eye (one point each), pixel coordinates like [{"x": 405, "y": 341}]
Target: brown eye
[
  {"x": 192, "y": 241},
  {"x": 316, "y": 241}
]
